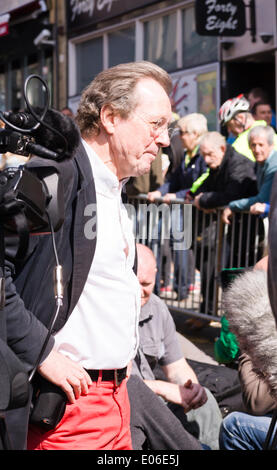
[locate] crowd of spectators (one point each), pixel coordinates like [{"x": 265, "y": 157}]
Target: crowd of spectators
[{"x": 212, "y": 175}]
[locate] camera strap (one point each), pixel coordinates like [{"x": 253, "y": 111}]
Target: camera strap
[{"x": 2, "y": 268}]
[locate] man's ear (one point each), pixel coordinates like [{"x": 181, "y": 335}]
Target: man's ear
[{"x": 108, "y": 118}]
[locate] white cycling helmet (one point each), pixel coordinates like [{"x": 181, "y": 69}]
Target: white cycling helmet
[{"x": 231, "y": 107}]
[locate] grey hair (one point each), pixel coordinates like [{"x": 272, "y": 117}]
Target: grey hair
[
  {"x": 268, "y": 131},
  {"x": 194, "y": 122},
  {"x": 214, "y": 138},
  {"x": 115, "y": 86}
]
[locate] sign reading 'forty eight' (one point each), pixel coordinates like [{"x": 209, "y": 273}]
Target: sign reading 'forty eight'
[{"x": 220, "y": 17}]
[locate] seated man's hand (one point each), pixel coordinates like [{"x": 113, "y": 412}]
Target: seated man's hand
[
  {"x": 67, "y": 374},
  {"x": 189, "y": 396},
  {"x": 194, "y": 395}
]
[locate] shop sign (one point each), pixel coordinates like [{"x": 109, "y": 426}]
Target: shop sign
[
  {"x": 4, "y": 25},
  {"x": 220, "y": 17},
  {"x": 82, "y": 13}
]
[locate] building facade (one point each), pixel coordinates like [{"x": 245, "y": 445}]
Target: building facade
[
  {"x": 68, "y": 42},
  {"x": 102, "y": 34},
  {"x": 21, "y": 22}
]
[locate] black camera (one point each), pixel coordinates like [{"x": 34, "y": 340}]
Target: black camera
[
  {"x": 22, "y": 191},
  {"x": 35, "y": 193}
]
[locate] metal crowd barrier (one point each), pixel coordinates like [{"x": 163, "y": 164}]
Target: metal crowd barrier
[{"x": 194, "y": 250}]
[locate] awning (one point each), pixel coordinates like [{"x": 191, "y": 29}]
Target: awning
[{"x": 8, "y": 6}]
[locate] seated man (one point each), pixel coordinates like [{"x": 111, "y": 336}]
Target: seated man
[{"x": 200, "y": 413}]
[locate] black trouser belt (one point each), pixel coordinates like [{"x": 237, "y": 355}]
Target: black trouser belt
[{"x": 115, "y": 375}]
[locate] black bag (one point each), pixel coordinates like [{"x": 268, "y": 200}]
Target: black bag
[
  {"x": 49, "y": 404},
  {"x": 222, "y": 382}
]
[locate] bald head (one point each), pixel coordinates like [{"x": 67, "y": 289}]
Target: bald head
[{"x": 146, "y": 273}]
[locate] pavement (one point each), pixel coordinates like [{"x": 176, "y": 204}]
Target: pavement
[{"x": 203, "y": 339}]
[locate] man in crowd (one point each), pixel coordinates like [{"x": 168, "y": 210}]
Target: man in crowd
[
  {"x": 236, "y": 115},
  {"x": 191, "y": 169},
  {"x": 262, "y": 111},
  {"x": 193, "y": 404},
  {"x": 96, "y": 332},
  {"x": 231, "y": 177},
  {"x": 261, "y": 142},
  {"x": 258, "y": 94}
]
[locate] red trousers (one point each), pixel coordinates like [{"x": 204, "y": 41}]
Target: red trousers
[{"x": 97, "y": 421}]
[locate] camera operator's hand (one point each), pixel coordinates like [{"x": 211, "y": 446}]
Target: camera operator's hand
[{"x": 67, "y": 374}]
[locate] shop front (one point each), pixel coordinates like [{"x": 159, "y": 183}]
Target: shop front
[
  {"x": 24, "y": 51},
  {"x": 104, "y": 33}
]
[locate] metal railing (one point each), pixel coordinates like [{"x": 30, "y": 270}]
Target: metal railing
[{"x": 196, "y": 251}]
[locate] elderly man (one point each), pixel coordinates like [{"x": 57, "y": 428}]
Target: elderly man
[
  {"x": 192, "y": 170},
  {"x": 231, "y": 177},
  {"x": 159, "y": 346},
  {"x": 261, "y": 142},
  {"x": 191, "y": 128},
  {"x": 96, "y": 332}
]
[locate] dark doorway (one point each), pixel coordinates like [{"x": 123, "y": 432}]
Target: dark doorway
[{"x": 250, "y": 72}]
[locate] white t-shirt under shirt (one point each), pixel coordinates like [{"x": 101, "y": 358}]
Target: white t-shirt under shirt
[{"x": 102, "y": 330}]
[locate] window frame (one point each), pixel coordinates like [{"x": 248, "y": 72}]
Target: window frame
[{"x": 138, "y": 24}]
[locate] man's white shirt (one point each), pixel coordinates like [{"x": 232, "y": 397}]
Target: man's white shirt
[{"x": 102, "y": 330}]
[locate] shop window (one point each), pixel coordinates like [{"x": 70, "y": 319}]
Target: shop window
[
  {"x": 2, "y": 92},
  {"x": 36, "y": 95},
  {"x": 121, "y": 46},
  {"x": 89, "y": 57},
  {"x": 16, "y": 88},
  {"x": 197, "y": 49},
  {"x": 160, "y": 41},
  {"x": 48, "y": 75}
]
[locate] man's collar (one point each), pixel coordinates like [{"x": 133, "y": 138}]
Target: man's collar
[{"x": 146, "y": 312}]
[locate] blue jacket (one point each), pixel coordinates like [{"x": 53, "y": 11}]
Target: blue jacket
[
  {"x": 265, "y": 173},
  {"x": 184, "y": 176}
]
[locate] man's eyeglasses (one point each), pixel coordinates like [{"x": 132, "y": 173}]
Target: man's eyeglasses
[
  {"x": 158, "y": 127},
  {"x": 181, "y": 132}
]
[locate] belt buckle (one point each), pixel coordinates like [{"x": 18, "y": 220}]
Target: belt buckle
[
  {"x": 119, "y": 375},
  {"x": 117, "y": 380}
]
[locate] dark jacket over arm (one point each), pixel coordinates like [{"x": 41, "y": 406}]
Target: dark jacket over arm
[
  {"x": 25, "y": 333},
  {"x": 181, "y": 180},
  {"x": 233, "y": 179}
]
